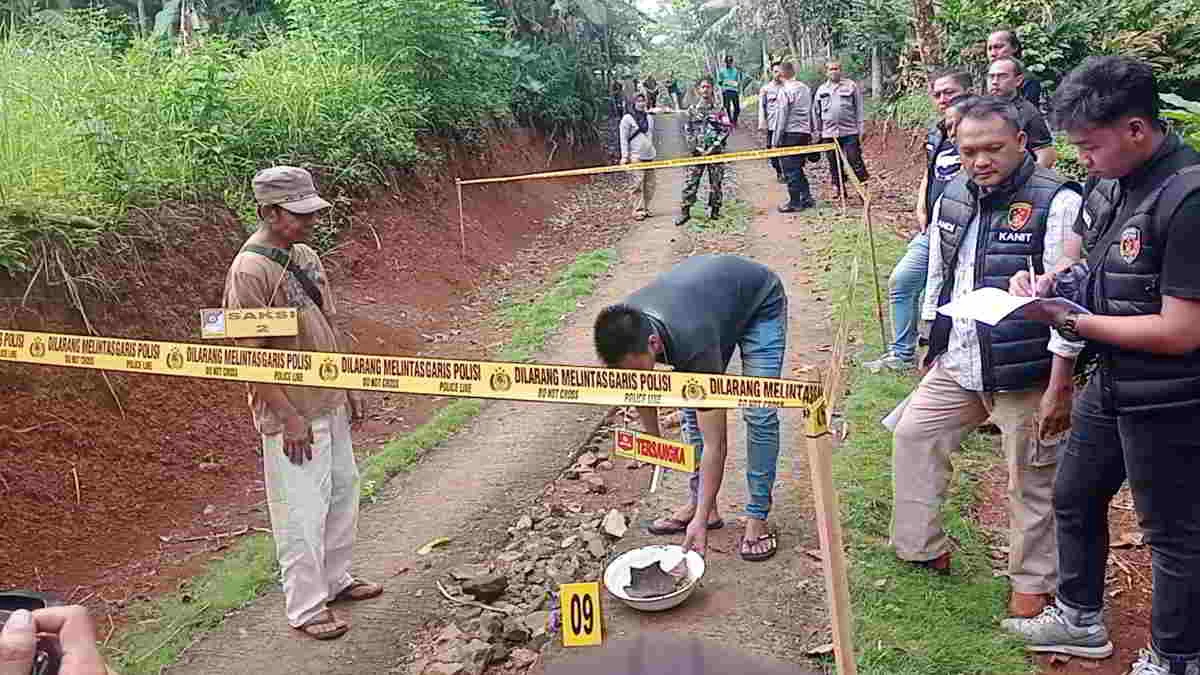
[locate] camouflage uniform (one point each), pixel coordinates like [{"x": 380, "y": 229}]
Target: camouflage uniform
[{"x": 707, "y": 128}]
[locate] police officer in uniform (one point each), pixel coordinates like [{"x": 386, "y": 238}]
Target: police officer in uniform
[{"x": 1136, "y": 418}]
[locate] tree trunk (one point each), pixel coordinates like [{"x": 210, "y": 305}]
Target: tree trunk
[
  {"x": 929, "y": 43},
  {"x": 876, "y": 74}
]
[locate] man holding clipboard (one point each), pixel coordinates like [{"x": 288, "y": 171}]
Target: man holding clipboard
[{"x": 996, "y": 215}]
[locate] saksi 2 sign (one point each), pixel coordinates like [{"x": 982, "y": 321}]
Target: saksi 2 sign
[{"x": 654, "y": 450}]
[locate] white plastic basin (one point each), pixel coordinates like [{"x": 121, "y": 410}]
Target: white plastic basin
[{"x": 617, "y": 575}]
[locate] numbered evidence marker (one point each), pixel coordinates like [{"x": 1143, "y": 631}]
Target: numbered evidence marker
[
  {"x": 580, "y": 612},
  {"x": 654, "y": 450},
  {"x": 247, "y": 323}
]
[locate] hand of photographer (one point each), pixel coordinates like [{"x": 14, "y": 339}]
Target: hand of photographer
[{"x": 72, "y": 627}]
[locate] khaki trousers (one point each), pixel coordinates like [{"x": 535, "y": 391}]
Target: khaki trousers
[
  {"x": 643, "y": 189},
  {"x": 314, "y": 515},
  {"x": 932, "y": 427}
]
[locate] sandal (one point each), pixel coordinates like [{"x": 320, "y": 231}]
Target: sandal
[
  {"x": 758, "y": 557},
  {"x": 324, "y": 626},
  {"x": 358, "y": 590},
  {"x": 675, "y": 526}
]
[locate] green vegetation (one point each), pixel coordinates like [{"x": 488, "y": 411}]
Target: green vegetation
[
  {"x": 734, "y": 219},
  {"x": 160, "y": 630},
  {"x": 164, "y": 627},
  {"x": 100, "y": 113},
  {"x": 532, "y": 322},
  {"x": 908, "y": 620}
]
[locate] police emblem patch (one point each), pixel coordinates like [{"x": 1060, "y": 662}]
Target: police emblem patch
[
  {"x": 1131, "y": 244},
  {"x": 1019, "y": 214}
]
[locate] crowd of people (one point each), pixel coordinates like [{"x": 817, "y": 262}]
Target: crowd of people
[{"x": 1087, "y": 394}]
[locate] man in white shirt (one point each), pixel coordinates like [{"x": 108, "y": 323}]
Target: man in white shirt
[{"x": 1003, "y": 213}]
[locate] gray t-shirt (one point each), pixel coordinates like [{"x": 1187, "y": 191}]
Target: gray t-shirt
[{"x": 701, "y": 308}]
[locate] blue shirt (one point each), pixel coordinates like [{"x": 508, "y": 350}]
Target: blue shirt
[{"x": 729, "y": 78}]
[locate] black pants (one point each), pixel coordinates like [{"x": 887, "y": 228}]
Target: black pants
[
  {"x": 853, "y": 151},
  {"x": 774, "y": 161},
  {"x": 799, "y": 193},
  {"x": 1159, "y": 453},
  {"x": 733, "y": 104}
]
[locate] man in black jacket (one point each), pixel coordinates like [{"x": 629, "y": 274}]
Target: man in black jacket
[
  {"x": 1136, "y": 419},
  {"x": 1001, "y": 214}
]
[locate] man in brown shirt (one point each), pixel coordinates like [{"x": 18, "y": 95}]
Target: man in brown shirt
[{"x": 308, "y": 458}]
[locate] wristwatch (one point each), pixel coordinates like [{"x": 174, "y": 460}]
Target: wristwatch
[{"x": 1067, "y": 327}]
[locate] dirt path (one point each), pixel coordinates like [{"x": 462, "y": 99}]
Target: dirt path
[{"x": 473, "y": 487}]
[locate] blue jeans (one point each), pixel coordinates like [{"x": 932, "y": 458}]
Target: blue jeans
[
  {"x": 762, "y": 346},
  {"x": 905, "y": 287}
]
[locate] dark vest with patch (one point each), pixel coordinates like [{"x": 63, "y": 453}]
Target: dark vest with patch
[
  {"x": 1012, "y": 229},
  {"x": 1125, "y": 260}
]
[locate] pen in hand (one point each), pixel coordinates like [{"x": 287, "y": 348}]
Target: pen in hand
[{"x": 1032, "y": 279}]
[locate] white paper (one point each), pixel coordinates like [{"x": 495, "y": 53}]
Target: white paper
[
  {"x": 991, "y": 305},
  {"x": 988, "y": 305}
]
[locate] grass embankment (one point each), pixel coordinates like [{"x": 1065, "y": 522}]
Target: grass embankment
[
  {"x": 908, "y": 620},
  {"x": 734, "y": 219},
  {"x": 164, "y": 627}
]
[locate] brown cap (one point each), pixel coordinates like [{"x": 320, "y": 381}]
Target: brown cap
[{"x": 290, "y": 187}]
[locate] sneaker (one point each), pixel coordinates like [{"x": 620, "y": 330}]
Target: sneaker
[
  {"x": 789, "y": 207},
  {"x": 1149, "y": 663},
  {"x": 683, "y": 217},
  {"x": 890, "y": 362},
  {"x": 1052, "y": 632},
  {"x": 713, "y": 212}
]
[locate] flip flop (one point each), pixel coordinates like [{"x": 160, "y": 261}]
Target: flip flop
[
  {"x": 324, "y": 626},
  {"x": 758, "y": 557},
  {"x": 358, "y": 590},
  {"x": 679, "y": 526}
]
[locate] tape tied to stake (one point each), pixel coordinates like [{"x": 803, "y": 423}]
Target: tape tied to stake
[
  {"x": 549, "y": 383},
  {"x": 662, "y": 163}
]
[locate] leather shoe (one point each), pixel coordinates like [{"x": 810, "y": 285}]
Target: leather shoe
[
  {"x": 940, "y": 564},
  {"x": 1027, "y": 605}
]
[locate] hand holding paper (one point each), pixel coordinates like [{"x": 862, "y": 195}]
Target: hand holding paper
[{"x": 992, "y": 305}]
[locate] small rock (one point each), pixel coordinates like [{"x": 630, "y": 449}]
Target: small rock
[
  {"x": 524, "y": 523},
  {"x": 467, "y": 613},
  {"x": 596, "y": 484},
  {"x": 570, "y": 541},
  {"x": 509, "y": 556},
  {"x": 464, "y": 572},
  {"x": 605, "y": 465},
  {"x": 523, "y": 657},
  {"x": 449, "y": 652},
  {"x": 537, "y": 623},
  {"x": 588, "y": 459},
  {"x": 209, "y": 510},
  {"x": 446, "y": 669},
  {"x": 486, "y": 588},
  {"x": 490, "y": 628},
  {"x": 449, "y": 634},
  {"x": 595, "y": 544},
  {"x": 614, "y": 524},
  {"x": 477, "y": 654},
  {"x": 516, "y": 631},
  {"x": 500, "y": 653}
]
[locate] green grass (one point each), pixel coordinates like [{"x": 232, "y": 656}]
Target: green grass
[
  {"x": 165, "y": 626},
  {"x": 534, "y": 320},
  {"x": 918, "y": 622},
  {"x": 734, "y": 219}
]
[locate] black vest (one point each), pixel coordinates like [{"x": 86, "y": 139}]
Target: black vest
[
  {"x": 1012, "y": 229},
  {"x": 1125, "y": 260}
]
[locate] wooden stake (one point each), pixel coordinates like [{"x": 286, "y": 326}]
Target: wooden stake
[
  {"x": 879, "y": 313},
  {"x": 462, "y": 222},
  {"x": 829, "y": 527},
  {"x": 655, "y": 478}
]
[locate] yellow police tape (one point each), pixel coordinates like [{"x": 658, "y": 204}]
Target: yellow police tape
[
  {"x": 662, "y": 163},
  {"x": 409, "y": 375}
]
